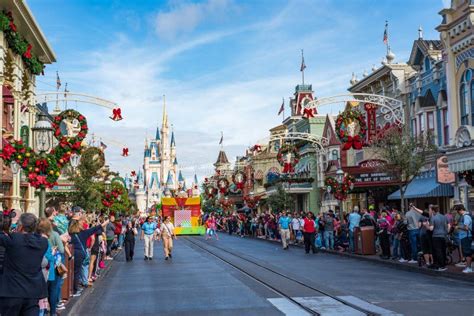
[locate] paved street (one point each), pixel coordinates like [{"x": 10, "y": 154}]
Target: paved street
[{"x": 197, "y": 282}]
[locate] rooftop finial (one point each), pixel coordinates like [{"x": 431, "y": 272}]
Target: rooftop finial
[
  {"x": 390, "y": 56},
  {"x": 365, "y": 74},
  {"x": 420, "y": 33},
  {"x": 353, "y": 79}
]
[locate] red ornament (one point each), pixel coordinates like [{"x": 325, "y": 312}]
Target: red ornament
[
  {"x": 125, "y": 152},
  {"x": 308, "y": 113},
  {"x": 27, "y": 54},
  {"x": 116, "y": 114}
]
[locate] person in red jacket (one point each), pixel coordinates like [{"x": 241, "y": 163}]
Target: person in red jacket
[
  {"x": 309, "y": 233},
  {"x": 118, "y": 232}
]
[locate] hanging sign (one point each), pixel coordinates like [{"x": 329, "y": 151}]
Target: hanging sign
[{"x": 443, "y": 174}]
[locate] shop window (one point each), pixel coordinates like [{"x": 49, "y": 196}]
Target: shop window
[
  {"x": 430, "y": 121},
  {"x": 414, "y": 127},
  {"x": 466, "y": 98},
  {"x": 422, "y": 123},
  {"x": 25, "y": 135},
  {"x": 427, "y": 63}
]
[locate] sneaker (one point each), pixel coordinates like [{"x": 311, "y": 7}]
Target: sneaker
[
  {"x": 402, "y": 260},
  {"x": 412, "y": 261},
  {"x": 60, "y": 305},
  {"x": 461, "y": 264},
  {"x": 467, "y": 270},
  {"x": 77, "y": 294},
  {"x": 60, "y": 308},
  {"x": 146, "y": 258},
  {"x": 442, "y": 269},
  {"x": 170, "y": 255},
  {"x": 166, "y": 258}
]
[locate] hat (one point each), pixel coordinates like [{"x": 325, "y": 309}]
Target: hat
[{"x": 77, "y": 209}]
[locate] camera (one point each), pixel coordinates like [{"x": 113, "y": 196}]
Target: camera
[{"x": 6, "y": 220}]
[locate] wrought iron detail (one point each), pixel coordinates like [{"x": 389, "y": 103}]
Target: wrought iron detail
[{"x": 319, "y": 142}]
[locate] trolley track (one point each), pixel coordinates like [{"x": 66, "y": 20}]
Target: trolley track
[{"x": 205, "y": 247}]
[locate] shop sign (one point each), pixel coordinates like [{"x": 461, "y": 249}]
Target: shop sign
[
  {"x": 372, "y": 177},
  {"x": 443, "y": 174}
]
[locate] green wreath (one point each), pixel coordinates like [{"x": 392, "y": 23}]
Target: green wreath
[
  {"x": 349, "y": 141},
  {"x": 339, "y": 190},
  {"x": 288, "y": 167},
  {"x": 68, "y": 145}
]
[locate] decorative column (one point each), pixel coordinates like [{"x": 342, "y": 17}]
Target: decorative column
[
  {"x": 32, "y": 205},
  {"x": 16, "y": 193}
]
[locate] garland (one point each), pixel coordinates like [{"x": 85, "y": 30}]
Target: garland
[
  {"x": 339, "y": 190},
  {"x": 288, "y": 166},
  {"x": 223, "y": 185},
  {"x": 239, "y": 183},
  {"x": 110, "y": 198},
  {"x": 351, "y": 141},
  {"x": 210, "y": 191},
  {"x": 18, "y": 44},
  {"x": 68, "y": 145}
]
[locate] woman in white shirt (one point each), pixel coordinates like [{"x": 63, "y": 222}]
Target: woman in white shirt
[{"x": 167, "y": 234}]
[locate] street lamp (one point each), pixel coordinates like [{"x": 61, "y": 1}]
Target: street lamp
[
  {"x": 42, "y": 144},
  {"x": 339, "y": 175},
  {"x": 75, "y": 160},
  {"x": 15, "y": 167},
  {"x": 108, "y": 185}
]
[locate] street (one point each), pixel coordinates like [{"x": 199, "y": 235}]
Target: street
[{"x": 259, "y": 278}]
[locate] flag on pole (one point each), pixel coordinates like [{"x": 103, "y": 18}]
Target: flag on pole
[
  {"x": 385, "y": 34},
  {"x": 303, "y": 65},
  {"x": 58, "y": 81},
  {"x": 65, "y": 90},
  {"x": 222, "y": 139},
  {"x": 282, "y": 107}
]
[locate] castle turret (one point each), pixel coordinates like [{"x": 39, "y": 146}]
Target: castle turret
[{"x": 222, "y": 164}]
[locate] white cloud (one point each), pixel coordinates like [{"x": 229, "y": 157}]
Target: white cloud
[{"x": 184, "y": 17}]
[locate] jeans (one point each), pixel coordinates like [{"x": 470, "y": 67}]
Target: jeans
[
  {"x": 78, "y": 260},
  {"x": 396, "y": 248},
  {"x": 329, "y": 239},
  {"x": 85, "y": 274},
  {"x": 439, "y": 252},
  {"x": 351, "y": 241},
  {"x": 413, "y": 235},
  {"x": 120, "y": 240},
  {"x": 54, "y": 290}
]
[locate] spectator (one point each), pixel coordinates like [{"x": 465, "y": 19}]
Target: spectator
[
  {"x": 328, "y": 223},
  {"x": 284, "y": 226},
  {"x": 309, "y": 232},
  {"x": 22, "y": 283},
  {"x": 296, "y": 227},
  {"x": 439, "y": 227},
  {"x": 110, "y": 236},
  {"x": 465, "y": 227},
  {"x": 426, "y": 239},
  {"x": 413, "y": 217},
  {"x": 354, "y": 220}
]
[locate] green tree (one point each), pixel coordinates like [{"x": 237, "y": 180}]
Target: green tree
[
  {"x": 124, "y": 205},
  {"x": 280, "y": 200},
  {"x": 404, "y": 155}
]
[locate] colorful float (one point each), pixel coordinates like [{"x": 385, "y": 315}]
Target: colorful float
[{"x": 185, "y": 214}]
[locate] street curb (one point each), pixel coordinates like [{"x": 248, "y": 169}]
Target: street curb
[
  {"x": 75, "y": 302},
  {"x": 397, "y": 265}
]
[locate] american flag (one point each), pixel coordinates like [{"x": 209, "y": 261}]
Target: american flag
[
  {"x": 58, "y": 81},
  {"x": 385, "y": 33},
  {"x": 65, "y": 90},
  {"x": 282, "y": 107},
  {"x": 303, "y": 65}
]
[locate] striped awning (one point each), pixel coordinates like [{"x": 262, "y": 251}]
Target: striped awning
[
  {"x": 258, "y": 175},
  {"x": 461, "y": 165},
  {"x": 303, "y": 166}
]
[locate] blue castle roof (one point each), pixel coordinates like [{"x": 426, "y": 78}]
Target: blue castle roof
[
  {"x": 157, "y": 137},
  {"x": 180, "y": 176},
  {"x": 169, "y": 181},
  {"x": 172, "y": 139}
]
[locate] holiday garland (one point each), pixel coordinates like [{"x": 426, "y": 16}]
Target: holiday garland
[
  {"x": 223, "y": 185},
  {"x": 351, "y": 141},
  {"x": 339, "y": 190},
  {"x": 18, "y": 44},
  {"x": 112, "y": 197},
  {"x": 288, "y": 166}
]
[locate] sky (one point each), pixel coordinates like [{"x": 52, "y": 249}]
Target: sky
[{"x": 224, "y": 65}]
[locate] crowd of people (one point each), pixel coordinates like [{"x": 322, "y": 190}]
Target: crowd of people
[
  {"x": 429, "y": 237},
  {"x": 34, "y": 254}
]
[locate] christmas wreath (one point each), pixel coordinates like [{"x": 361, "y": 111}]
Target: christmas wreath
[
  {"x": 210, "y": 191},
  {"x": 239, "y": 179},
  {"x": 223, "y": 185},
  {"x": 290, "y": 163},
  {"x": 339, "y": 190},
  {"x": 69, "y": 145},
  {"x": 348, "y": 138},
  {"x": 18, "y": 44},
  {"x": 16, "y": 151}
]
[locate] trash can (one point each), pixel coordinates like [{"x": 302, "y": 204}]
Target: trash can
[{"x": 364, "y": 240}]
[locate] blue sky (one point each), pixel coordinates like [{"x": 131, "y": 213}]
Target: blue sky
[{"x": 224, "y": 65}]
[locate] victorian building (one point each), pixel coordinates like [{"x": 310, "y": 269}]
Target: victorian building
[{"x": 18, "y": 113}]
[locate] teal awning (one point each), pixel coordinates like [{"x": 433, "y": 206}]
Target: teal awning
[{"x": 424, "y": 187}]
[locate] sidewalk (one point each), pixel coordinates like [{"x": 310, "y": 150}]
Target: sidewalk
[{"x": 453, "y": 272}]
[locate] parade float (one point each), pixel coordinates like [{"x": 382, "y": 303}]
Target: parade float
[{"x": 185, "y": 214}]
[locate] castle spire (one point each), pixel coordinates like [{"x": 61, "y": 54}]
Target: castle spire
[
  {"x": 165, "y": 115},
  {"x": 157, "y": 137},
  {"x": 173, "y": 144}
]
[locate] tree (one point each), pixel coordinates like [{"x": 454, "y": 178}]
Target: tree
[
  {"x": 280, "y": 200},
  {"x": 209, "y": 205},
  {"x": 404, "y": 155}
]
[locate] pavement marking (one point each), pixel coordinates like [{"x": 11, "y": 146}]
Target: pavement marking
[
  {"x": 368, "y": 306},
  {"x": 287, "y": 307},
  {"x": 328, "y": 306}
]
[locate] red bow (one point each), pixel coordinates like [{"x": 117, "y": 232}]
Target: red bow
[
  {"x": 288, "y": 168},
  {"x": 27, "y": 54},
  {"x": 12, "y": 26},
  {"x": 125, "y": 152},
  {"x": 116, "y": 114},
  {"x": 133, "y": 173},
  {"x": 308, "y": 113},
  {"x": 353, "y": 142},
  {"x": 257, "y": 148},
  {"x": 7, "y": 151},
  {"x": 240, "y": 185}
]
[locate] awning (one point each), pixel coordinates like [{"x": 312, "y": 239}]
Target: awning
[{"x": 423, "y": 188}]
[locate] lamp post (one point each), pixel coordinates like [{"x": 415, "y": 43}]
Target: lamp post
[
  {"x": 75, "y": 161},
  {"x": 42, "y": 142},
  {"x": 339, "y": 179}
]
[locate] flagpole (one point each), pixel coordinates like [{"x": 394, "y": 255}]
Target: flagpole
[
  {"x": 58, "y": 85},
  {"x": 283, "y": 109}
]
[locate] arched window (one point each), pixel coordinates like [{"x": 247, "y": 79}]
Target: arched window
[{"x": 466, "y": 98}]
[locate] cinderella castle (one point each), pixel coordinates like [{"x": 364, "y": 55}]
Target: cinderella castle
[{"x": 160, "y": 174}]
